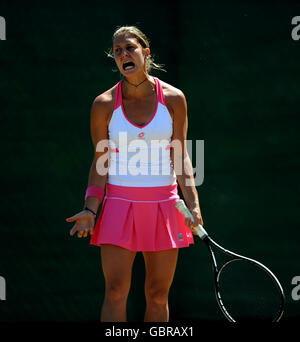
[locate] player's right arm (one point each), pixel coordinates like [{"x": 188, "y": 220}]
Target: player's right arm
[{"x": 100, "y": 113}]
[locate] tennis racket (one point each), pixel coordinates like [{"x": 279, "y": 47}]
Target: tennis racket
[{"x": 245, "y": 289}]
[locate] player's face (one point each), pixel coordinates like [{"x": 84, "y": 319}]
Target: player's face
[{"x": 129, "y": 55}]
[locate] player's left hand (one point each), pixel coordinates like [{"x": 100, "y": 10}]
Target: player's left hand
[{"x": 197, "y": 219}]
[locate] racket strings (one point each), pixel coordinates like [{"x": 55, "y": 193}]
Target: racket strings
[{"x": 248, "y": 292}]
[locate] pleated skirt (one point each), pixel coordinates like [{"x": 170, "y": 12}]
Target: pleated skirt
[{"x": 141, "y": 219}]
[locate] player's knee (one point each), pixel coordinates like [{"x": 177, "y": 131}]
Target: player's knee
[
  {"x": 116, "y": 291},
  {"x": 157, "y": 295}
]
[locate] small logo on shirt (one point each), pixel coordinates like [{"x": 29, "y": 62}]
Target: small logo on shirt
[
  {"x": 180, "y": 237},
  {"x": 141, "y": 135}
]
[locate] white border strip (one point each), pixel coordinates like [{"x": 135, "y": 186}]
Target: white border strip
[{"x": 128, "y": 200}]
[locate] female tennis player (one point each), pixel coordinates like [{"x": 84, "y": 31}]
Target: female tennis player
[{"x": 138, "y": 128}]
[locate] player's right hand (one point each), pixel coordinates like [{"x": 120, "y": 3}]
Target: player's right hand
[{"x": 84, "y": 223}]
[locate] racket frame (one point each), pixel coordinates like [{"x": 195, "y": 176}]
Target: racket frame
[
  {"x": 235, "y": 257},
  {"x": 209, "y": 242}
]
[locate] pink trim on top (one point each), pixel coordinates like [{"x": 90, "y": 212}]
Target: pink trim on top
[
  {"x": 159, "y": 98},
  {"x": 160, "y": 93},
  {"x": 118, "y": 96}
]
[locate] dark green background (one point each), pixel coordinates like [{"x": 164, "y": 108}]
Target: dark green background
[{"x": 238, "y": 66}]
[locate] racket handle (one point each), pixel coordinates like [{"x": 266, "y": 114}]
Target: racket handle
[{"x": 180, "y": 205}]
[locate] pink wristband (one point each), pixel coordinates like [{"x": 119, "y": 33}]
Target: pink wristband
[{"x": 95, "y": 191}]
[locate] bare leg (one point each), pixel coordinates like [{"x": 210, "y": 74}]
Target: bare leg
[
  {"x": 117, "y": 268},
  {"x": 160, "y": 269}
]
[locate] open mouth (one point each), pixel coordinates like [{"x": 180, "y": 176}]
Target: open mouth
[{"x": 128, "y": 65}]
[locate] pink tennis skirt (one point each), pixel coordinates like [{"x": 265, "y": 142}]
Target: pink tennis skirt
[{"x": 141, "y": 219}]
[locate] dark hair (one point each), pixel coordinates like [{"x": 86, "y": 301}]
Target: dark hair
[{"x": 142, "y": 39}]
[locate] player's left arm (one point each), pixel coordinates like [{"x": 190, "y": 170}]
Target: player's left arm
[{"x": 180, "y": 158}]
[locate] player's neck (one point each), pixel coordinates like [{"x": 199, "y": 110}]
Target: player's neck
[{"x": 136, "y": 87}]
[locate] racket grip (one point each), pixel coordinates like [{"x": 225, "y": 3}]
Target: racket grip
[{"x": 180, "y": 205}]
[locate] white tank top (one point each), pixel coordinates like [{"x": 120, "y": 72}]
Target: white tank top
[{"x": 140, "y": 155}]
